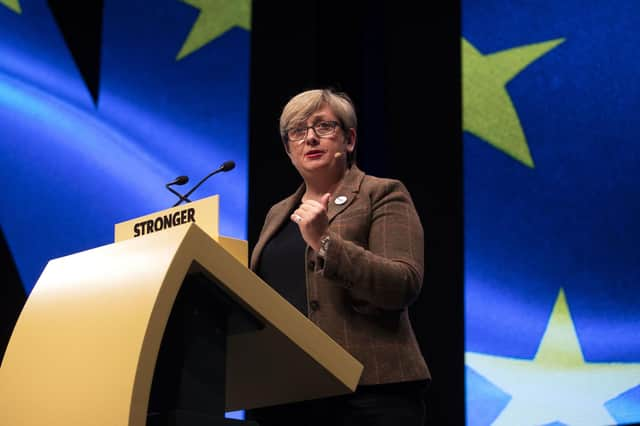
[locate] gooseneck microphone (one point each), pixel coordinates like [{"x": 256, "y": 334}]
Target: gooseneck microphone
[
  {"x": 224, "y": 167},
  {"x": 180, "y": 180}
]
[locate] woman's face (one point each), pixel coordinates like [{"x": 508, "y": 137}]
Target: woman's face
[{"x": 325, "y": 153}]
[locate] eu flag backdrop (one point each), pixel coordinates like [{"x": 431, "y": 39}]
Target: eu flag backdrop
[
  {"x": 551, "y": 94},
  {"x": 173, "y": 100}
]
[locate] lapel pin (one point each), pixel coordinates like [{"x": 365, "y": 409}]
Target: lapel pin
[{"x": 340, "y": 200}]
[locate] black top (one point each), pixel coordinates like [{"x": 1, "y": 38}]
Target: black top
[{"x": 282, "y": 265}]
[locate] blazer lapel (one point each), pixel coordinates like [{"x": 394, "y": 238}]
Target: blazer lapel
[{"x": 347, "y": 191}]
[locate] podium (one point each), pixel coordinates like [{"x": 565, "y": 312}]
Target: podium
[{"x": 166, "y": 328}]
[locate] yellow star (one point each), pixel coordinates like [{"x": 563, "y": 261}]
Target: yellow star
[
  {"x": 487, "y": 109},
  {"x": 557, "y": 385},
  {"x": 216, "y": 18},
  {"x": 12, "y": 4}
]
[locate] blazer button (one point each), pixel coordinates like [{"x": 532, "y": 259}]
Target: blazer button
[{"x": 314, "y": 305}]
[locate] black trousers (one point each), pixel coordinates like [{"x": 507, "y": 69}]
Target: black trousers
[{"x": 398, "y": 404}]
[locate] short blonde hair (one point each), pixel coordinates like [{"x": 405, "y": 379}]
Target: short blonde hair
[{"x": 302, "y": 105}]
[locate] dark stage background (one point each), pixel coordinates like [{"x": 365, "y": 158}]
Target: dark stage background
[{"x": 403, "y": 70}]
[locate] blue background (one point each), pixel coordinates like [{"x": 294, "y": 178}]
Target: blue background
[
  {"x": 71, "y": 170},
  {"x": 572, "y": 221}
]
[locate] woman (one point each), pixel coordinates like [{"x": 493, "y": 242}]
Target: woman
[{"x": 359, "y": 243}]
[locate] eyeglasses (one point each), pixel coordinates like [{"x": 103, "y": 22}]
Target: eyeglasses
[{"x": 322, "y": 129}]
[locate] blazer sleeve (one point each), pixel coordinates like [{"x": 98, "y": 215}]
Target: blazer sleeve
[{"x": 387, "y": 271}]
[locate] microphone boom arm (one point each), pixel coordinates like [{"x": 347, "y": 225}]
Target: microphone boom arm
[
  {"x": 225, "y": 167},
  {"x": 180, "y": 196}
]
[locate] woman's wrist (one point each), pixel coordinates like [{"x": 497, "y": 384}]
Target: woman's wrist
[{"x": 325, "y": 240}]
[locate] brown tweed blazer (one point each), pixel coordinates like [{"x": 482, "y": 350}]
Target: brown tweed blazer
[{"x": 358, "y": 293}]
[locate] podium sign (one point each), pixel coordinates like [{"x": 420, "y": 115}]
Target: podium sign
[{"x": 204, "y": 213}]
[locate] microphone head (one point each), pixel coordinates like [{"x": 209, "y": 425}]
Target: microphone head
[
  {"x": 180, "y": 180},
  {"x": 227, "y": 165}
]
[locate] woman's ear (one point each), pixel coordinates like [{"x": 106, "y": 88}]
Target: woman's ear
[{"x": 350, "y": 140}]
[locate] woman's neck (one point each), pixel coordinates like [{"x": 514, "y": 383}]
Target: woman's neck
[{"x": 316, "y": 188}]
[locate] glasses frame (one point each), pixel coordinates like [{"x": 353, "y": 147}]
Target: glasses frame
[{"x": 334, "y": 123}]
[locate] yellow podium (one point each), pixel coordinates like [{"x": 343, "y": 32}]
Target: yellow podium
[{"x": 111, "y": 335}]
